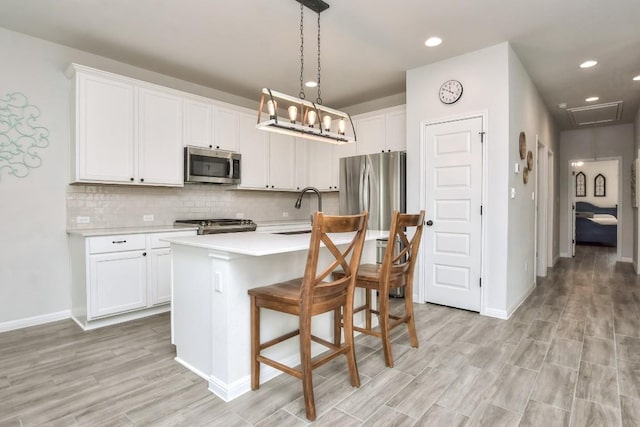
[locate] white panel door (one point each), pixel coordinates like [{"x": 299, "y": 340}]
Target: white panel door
[
  {"x": 159, "y": 138},
  {"x": 453, "y": 236}
]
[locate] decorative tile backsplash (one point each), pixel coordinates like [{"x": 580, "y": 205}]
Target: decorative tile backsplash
[{"x": 124, "y": 206}]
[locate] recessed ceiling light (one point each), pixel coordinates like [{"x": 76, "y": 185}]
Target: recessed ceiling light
[
  {"x": 311, "y": 84},
  {"x": 588, "y": 64},
  {"x": 637, "y": 78},
  {"x": 433, "y": 41},
  {"x": 592, "y": 99}
]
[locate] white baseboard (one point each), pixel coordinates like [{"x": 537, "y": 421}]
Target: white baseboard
[
  {"x": 565, "y": 255},
  {"x": 555, "y": 260},
  {"x": 626, "y": 259},
  {"x": 34, "y": 321},
  {"x": 635, "y": 267},
  {"x": 494, "y": 312}
]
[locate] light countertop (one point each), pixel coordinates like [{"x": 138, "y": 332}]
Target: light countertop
[
  {"x": 88, "y": 232},
  {"x": 260, "y": 243}
]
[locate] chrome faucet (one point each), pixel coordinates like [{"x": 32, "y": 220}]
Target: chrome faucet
[{"x": 304, "y": 190}]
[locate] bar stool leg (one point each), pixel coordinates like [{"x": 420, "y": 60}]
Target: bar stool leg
[
  {"x": 305, "y": 364},
  {"x": 255, "y": 344},
  {"x": 408, "y": 309},
  {"x": 384, "y": 329}
]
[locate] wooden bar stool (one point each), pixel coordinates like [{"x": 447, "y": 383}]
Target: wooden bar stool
[
  {"x": 396, "y": 271},
  {"x": 311, "y": 295}
]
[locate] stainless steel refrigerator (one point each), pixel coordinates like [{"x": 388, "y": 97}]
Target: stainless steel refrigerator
[{"x": 375, "y": 183}]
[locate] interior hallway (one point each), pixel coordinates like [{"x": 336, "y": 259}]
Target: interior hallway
[{"x": 569, "y": 356}]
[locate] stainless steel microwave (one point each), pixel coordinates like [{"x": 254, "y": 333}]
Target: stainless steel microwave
[{"x": 211, "y": 166}]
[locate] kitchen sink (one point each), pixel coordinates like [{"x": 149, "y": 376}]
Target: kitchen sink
[{"x": 294, "y": 232}]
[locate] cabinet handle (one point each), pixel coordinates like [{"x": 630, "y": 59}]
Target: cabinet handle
[
  {"x": 210, "y": 146},
  {"x": 119, "y": 241},
  {"x": 266, "y": 186},
  {"x": 273, "y": 186},
  {"x": 141, "y": 179},
  {"x": 144, "y": 254},
  {"x": 217, "y": 147},
  {"x": 131, "y": 179}
]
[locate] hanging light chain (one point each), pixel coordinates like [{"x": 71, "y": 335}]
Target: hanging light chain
[
  {"x": 319, "y": 100},
  {"x": 301, "y": 94}
]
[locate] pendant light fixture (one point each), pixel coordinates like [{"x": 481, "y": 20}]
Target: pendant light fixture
[{"x": 299, "y": 117}]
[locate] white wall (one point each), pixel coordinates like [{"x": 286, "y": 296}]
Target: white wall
[
  {"x": 527, "y": 114},
  {"x": 608, "y": 169},
  {"x": 591, "y": 144},
  {"x": 34, "y": 260},
  {"x": 494, "y": 83},
  {"x": 636, "y": 217}
]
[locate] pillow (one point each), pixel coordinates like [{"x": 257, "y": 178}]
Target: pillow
[{"x": 584, "y": 214}]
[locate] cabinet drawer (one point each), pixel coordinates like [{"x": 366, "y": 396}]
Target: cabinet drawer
[
  {"x": 157, "y": 242},
  {"x": 116, "y": 243}
]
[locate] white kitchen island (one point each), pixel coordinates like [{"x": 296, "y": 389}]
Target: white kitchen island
[{"x": 210, "y": 306}]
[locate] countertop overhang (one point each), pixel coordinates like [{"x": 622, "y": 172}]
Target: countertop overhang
[{"x": 261, "y": 243}]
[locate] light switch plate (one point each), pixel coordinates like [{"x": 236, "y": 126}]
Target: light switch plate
[
  {"x": 513, "y": 193},
  {"x": 148, "y": 217},
  {"x": 83, "y": 220},
  {"x": 516, "y": 168}
]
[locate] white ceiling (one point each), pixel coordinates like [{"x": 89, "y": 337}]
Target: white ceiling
[{"x": 240, "y": 46}]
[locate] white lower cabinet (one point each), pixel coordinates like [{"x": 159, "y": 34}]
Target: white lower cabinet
[{"x": 120, "y": 277}]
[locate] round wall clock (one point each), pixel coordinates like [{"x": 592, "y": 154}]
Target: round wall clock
[
  {"x": 450, "y": 91},
  {"x": 522, "y": 145}
]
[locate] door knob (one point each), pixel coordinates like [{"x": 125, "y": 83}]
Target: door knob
[{"x": 429, "y": 223}]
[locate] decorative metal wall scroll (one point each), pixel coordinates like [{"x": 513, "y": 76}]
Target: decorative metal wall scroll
[{"x": 20, "y": 138}]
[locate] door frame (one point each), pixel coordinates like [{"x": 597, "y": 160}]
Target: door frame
[
  {"x": 551, "y": 260},
  {"x": 572, "y": 202},
  {"x": 541, "y": 205},
  {"x": 421, "y": 288}
]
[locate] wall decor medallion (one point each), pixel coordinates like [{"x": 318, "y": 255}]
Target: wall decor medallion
[
  {"x": 20, "y": 137},
  {"x": 522, "y": 145},
  {"x": 525, "y": 174},
  {"x": 530, "y": 160},
  {"x": 581, "y": 185},
  {"x": 599, "y": 186}
]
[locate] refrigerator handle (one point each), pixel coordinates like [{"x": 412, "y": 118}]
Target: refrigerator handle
[{"x": 366, "y": 187}]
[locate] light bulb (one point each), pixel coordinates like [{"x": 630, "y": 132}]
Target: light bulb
[
  {"x": 271, "y": 108},
  {"x": 326, "y": 122},
  {"x": 311, "y": 117},
  {"x": 342, "y": 125},
  {"x": 293, "y": 113}
]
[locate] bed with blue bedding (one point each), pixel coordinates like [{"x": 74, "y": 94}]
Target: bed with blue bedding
[{"x": 596, "y": 225}]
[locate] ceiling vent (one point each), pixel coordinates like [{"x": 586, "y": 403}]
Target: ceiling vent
[{"x": 595, "y": 114}]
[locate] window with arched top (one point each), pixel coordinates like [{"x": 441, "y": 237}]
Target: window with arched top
[
  {"x": 599, "y": 186},
  {"x": 581, "y": 185}
]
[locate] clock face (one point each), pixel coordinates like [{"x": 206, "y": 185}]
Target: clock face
[{"x": 450, "y": 91}]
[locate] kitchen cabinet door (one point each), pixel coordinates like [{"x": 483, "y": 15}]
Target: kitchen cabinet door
[
  {"x": 371, "y": 133},
  {"x": 198, "y": 123},
  {"x": 301, "y": 168},
  {"x": 226, "y": 128},
  {"x": 254, "y": 148},
  {"x": 117, "y": 283},
  {"x": 159, "y": 138},
  {"x": 160, "y": 276},
  {"x": 396, "y": 138},
  {"x": 282, "y": 160},
  {"x": 320, "y": 166},
  {"x": 104, "y": 130}
]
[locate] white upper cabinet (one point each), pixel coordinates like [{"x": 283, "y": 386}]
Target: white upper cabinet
[
  {"x": 198, "y": 123},
  {"x": 371, "y": 134},
  {"x": 226, "y": 128},
  {"x": 159, "y": 138},
  {"x": 282, "y": 161},
  {"x": 125, "y": 131},
  {"x": 321, "y": 166},
  {"x": 104, "y": 130},
  {"x": 396, "y": 136},
  {"x": 382, "y": 130},
  {"x": 254, "y": 148}
]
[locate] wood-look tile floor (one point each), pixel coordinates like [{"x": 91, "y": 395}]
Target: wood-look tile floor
[{"x": 570, "y": 355}]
